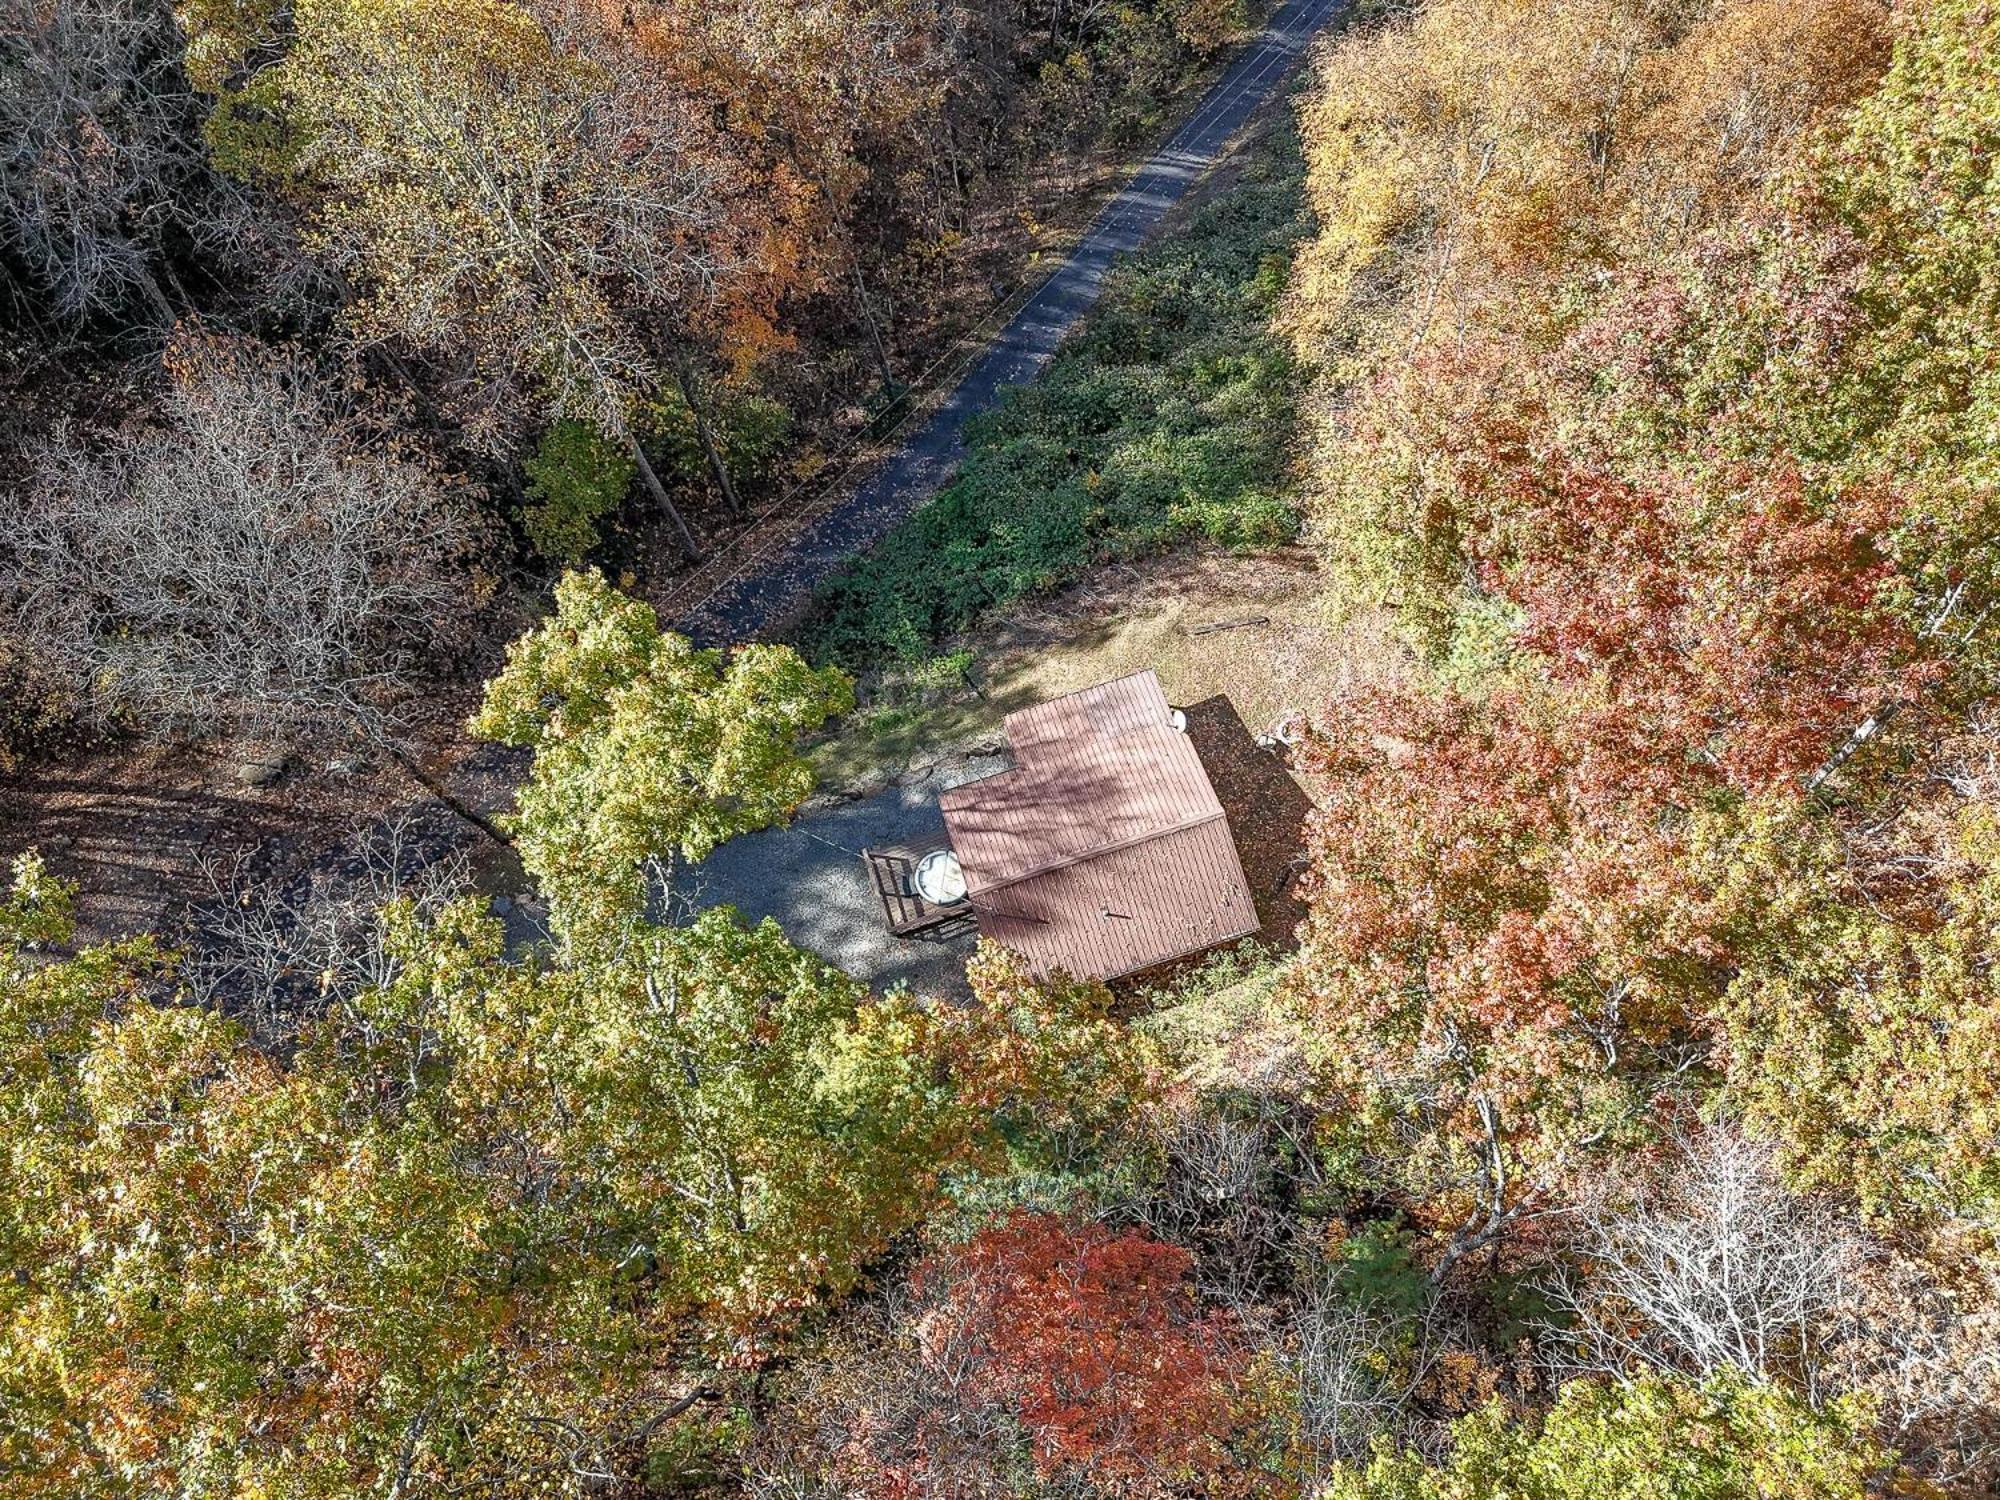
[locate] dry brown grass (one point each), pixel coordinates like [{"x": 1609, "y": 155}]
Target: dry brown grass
[{"x": 1124, "y": 618}]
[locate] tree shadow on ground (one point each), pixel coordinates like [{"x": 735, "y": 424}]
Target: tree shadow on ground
[{"x": 1266, "y": 810}]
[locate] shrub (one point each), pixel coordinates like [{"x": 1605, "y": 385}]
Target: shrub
[
  {"x": 752, "y": 431},
  {"x": 576, "y": 477}
]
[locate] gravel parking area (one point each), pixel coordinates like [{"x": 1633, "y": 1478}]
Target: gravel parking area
[{"x": 811, "y": 879}]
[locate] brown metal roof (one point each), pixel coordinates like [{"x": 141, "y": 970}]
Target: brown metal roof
[{"x": 1104, "y": 850}]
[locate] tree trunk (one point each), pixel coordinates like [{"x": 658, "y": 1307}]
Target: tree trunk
[
  {"x": 963, "y": 187},
  {"x": 861, "y": 299},
  {"x": 408, "y": 764},
  {"x": 1873, "y": 725},
  {"x": 150, "y": 285},
  {"x": 868, "y": 321},
  {"x": 706, "y": 433},
  {"x": 174, "y": 281},
  {"x": 660, "y": 496}
]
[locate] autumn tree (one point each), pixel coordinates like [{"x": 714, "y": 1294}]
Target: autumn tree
[
  {"x": 645, "y": 747},
  {"x": 1465, "y": 141},
  {"x": 190, "y": 1219},
  {"x": 1912, "y": 182},
  {"x": 1469, "y": 155},
  {"x": 470, "y": 1222},
  {"x": 1040, "y": 1357},
  {"x": 1657, "y": 1439},
  {"x": 745, "y": 1118},
  {"x": 517, "y": 193},
  {"x": 1677, "y": 476},
  {"x": 256, "y": 551},
  {"x": 1045, "y": 1062},
  {"x": 1478, "y": 177},
  {"x": 1857, "y": 1021},
  {"x": 1660, "y": 568},
  {"x": 831, "y": 94},
  {"x": 513, "y": 1225},
  {"x": 1507, "y": 923},
  {"x": 1094, "y": 1340},
  {"x": 1729, "y": 109}
]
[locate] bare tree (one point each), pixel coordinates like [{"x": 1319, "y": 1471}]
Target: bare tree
[
  {"x": 894, "y": 1387},
  {"x": 255, "y": 557},
  {"x": 1227, "y": 1174},
  {"x": 1357, "y": 1370},
  {"x": 101, "y": 152},
  {"x": 1925, "y": 1345},
  {"x": 1716, "y": 1266},
  {"x": 275, "y": 953}
]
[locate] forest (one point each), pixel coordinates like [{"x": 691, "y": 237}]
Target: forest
[{"x": 1621, "y": 1116}]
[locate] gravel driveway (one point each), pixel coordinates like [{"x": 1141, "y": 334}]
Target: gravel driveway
[{"x": 811, "y": 878}]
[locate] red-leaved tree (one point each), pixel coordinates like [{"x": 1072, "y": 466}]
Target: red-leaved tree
[
  {"x": 1510, "y": 946},
  {"x": 1095, "y": 1341}
]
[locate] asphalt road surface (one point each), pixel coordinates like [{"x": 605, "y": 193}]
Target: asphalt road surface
[{"x": 762, "y": 583}]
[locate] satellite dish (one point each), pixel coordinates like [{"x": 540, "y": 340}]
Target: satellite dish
[
  {"x": 939, "y": 878},
  {"x": 1178, "y": 719}
]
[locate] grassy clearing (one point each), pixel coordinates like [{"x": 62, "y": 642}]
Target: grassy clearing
[
  {"x": 1168, "y": 418},
  {"x": 1120, "y": 619}
]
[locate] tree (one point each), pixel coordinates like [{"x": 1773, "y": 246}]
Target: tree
[
  {"x": 1856, "y": 1026},
  {"x": 644, "y": 745},
  {"x": 1713, "y": 1270},
  {"x": 1508, "y": 921},
  {"x": 1094, "y": 1340},
  {"x": 832, "y": 91},
  {"x": 105, "y": 166},
  {"x": 257, "y": 553},
  {"x": 1045, "y": 1063},
  {"x": 1456, "y": 146},
  {"x": 745, "y": 1118},
  {"x": 1489, "y": 185},
  {"x": 887, "y": 1408},
  {"x": 1653, "y": 1439},
  {"x": 575, "y": 478},
  {"x": 1355, "y": 1368},
  {"x": 1913, "y": 182},
  {"x": 470, "y": 1222},
  {"x": 517, "y": 191},
  {"x": 1731, "y": 105},
  {"x": 1657, "y": 412},
  {"x": 901, "y": 1398},
  {"x": 232, "y": 1274}
]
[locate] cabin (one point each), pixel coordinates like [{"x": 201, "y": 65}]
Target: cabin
[{"x": 1101, "y": 851}]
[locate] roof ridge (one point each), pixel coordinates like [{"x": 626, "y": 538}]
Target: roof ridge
[
  {"x": 1102, "y": 849},
  {"x": 1095, "y": 687}
]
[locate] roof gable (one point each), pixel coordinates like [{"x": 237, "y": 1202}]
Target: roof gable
[{"x": 1105, "y": 849}]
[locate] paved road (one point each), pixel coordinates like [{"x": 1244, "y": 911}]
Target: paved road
[{"x": 763, "y": 582}]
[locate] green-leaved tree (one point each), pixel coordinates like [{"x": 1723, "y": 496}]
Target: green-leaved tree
[
  {"x": 1651, "y": 1440},
  {"x": 644, "y": 746}
]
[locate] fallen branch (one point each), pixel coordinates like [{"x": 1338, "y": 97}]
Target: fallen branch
[{"x": 1214, "y": 626}]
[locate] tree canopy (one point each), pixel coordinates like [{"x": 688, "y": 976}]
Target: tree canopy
[{"x": 645, "y": 746}]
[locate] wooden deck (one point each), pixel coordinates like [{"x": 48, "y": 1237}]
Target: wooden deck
[{"x": 893, "y": 871}]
